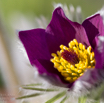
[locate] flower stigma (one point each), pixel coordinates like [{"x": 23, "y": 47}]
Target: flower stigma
[{"x": 74, "y": 60}]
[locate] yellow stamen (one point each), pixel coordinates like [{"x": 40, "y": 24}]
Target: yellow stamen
[{"x": 73, "y": 61}]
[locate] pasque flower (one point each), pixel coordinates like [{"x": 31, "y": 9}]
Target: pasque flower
[{"x": 65, "y": 49}]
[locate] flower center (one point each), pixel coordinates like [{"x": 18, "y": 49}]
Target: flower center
[
  {"x": 70, "y": 56},
  {"x": 72, "y": 61}
]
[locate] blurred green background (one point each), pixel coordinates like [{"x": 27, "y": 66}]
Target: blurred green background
[
  {"x": 36, "y": 8},
  {"x": 44, "y": 7}
]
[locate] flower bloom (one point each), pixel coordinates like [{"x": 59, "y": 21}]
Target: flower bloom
[{"x": 69, "y": 63}]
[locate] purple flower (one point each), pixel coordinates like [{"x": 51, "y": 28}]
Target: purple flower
[{"x": 41, "y": 43}]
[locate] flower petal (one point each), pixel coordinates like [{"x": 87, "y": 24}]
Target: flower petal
[
  {"x": 61, "y": 31},
  {"x": 36, "y": 48},
  {"x": 99, "y": 53},
  {"x": 94, "y": 27},
  {"x": 35, "y": 44}
]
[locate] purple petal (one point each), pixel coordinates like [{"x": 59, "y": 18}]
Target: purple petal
[
  {"x": 36, "y": 48},
  {"x": 61, "y": 31},
  {"x": 94, "y": 27},
  {"x": 99, "y": 53},
  {"x": 35, "y": 44}
]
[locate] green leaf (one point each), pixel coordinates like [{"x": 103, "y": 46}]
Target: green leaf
[
  {"x": 37, "y": 84},
  {"x": 40, "y": 89},
  {"x": 58, "y": 96},
  {"x": 65, "y": 98},
  {"x": 29, "y": 96}
]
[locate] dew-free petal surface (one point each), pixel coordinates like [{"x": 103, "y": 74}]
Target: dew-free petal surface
[
  {"x": 35, "y": 44},
  {"x": 94, "y": 27},
  {"x": 61, "y": 31}
]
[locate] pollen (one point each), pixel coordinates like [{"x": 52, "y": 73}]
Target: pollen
[{"x": 74, "y": 60}]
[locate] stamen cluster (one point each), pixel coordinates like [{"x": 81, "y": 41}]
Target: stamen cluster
[{"x": 74, "y": 60}]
